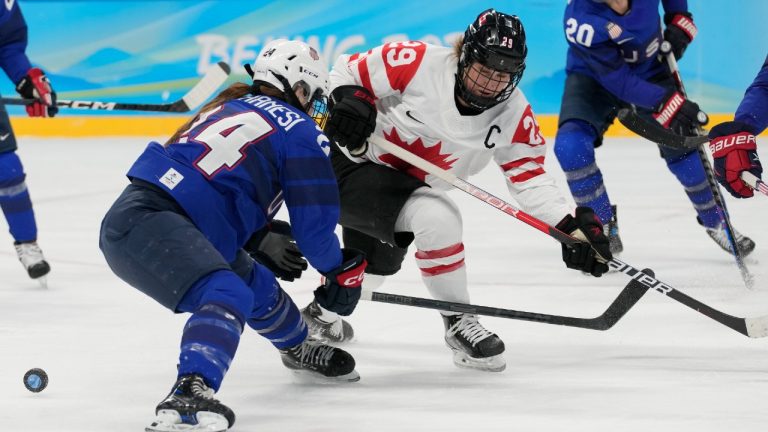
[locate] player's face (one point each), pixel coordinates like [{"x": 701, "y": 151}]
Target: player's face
[{"x": 485, "y": 82}]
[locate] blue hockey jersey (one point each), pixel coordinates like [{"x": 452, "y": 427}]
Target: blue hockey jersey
[
  {"x": 619, "y": 51},
  {"x": 13, "y": 41},
  {"x": 753, "y": 109},
  {"x": 237, "y": 164}
]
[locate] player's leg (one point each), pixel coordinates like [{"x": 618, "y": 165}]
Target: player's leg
[
  {"x": 274, "y": 315},
  {"x": 436, "y": 223},
  {"x": 586, "y": 111},
  {"x": 16, "y": 203},
  {"x": 687, "y": 168},
  {"x": 149, "y": 243}
]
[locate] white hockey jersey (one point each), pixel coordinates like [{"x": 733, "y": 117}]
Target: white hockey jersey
[{"x": 413, "y": 84}]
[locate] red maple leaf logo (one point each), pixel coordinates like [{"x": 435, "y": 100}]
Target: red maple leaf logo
[{"x": 431, "y": 154}]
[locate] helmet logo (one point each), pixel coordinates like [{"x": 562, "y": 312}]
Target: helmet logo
[
  {"x": 268, "y": 53},
  {"x": 481, "y": 19},
  {"x": 313, "y": 54}
]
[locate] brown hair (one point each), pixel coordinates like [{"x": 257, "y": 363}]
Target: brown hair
[
  {"x": 234, "y": 91},
  {"x": 457, "y": 45}
]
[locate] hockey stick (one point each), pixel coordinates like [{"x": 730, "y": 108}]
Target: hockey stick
[
  {"x": 752, "y": 327},
  {"x": 749, "y": 280},
  {"x": 653, "y": 131},
  {"x": 211, "y": 81},
  {"x": 626, "y": 299}
]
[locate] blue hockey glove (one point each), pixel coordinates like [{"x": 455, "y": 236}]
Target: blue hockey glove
[{"x": 341, "y": 288}]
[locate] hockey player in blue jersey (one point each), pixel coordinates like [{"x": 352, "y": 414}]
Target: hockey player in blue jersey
[
  {"x": 31, "y": 83},
  {"x": 178, "y": 230},
  {"x": 733, "y": 144},
  {"x": 613, "y": 61}
]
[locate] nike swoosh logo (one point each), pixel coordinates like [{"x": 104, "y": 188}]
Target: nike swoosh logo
[
  {"x": 3, "y": 137},
  {"x": 408, "y": 113},
  {"x": 624, "y": 40}
]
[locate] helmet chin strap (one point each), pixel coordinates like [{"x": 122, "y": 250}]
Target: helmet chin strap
[{"x": 290, "y": 95}]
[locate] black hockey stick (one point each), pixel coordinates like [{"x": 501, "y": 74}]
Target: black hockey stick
[
  {"x": 626, "y": 299},
  {"x": 746, "y": 276},
  {"x": 752, "y": 327},
  {"x": 211, "y": 81},
  {"x": 653, "y": 131}
]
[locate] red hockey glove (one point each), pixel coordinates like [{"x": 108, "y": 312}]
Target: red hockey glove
[
  {"x": 342, "y": 286},
  {"x": 351, "y": 118},
  {"x": 593, "y": 254},
  {"x": 679, "y": 114},
  {"x": 734, "y": 148},
  {"x": 680, "y": 31},
  {"x": 35, "y": 85}
]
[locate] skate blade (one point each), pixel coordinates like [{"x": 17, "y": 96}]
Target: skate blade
[
  {"x": 170, "y": 421},
  {"x": 310, "y": 377},
  {"x": 43, "y": 281},
  {"x": 488, "y": 364}
]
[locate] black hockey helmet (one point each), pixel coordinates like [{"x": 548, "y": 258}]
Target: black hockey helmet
[{"x": 497, "y": 41}]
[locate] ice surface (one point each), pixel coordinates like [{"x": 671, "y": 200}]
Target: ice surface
[{"x": 110, "y": 352}]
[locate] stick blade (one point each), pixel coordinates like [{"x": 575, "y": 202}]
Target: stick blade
[
  {"x": 205, "y": 88},
  {"x": 630, "y": 295},
  {"x": 757, "y": 327},
  {"x": 653, "y": 131}
]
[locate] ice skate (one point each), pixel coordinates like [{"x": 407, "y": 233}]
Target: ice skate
[
  {"x": 32, "y": 259},
  {"x": 325, "y": 326},
  {"x": 317, "y": 361},
  {"x": 719, "y": 235},
  {"x": 191, "y": 407},
  {"x": 611, "y": 230},
  {"x": 473, "y": 346}
]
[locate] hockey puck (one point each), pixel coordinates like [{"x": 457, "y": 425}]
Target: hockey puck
[{"x": 35, "y": 380}]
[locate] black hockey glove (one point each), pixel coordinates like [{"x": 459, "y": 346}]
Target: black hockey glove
[
  {"x": 593, "y": 255},
  {"x": 680, "y": 115},
  {"x": 274, "y": 248},
  {"x": 341, "y": 288},
  {"x": 679, "y": 32},
  {"x": 351, "y": 118}
]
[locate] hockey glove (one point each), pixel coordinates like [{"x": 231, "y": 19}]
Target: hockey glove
[
  {"x": 680, "y": 115},
  {"x": 593, "y": 255},
  {"x": 679, "y": 32},
  {"x": 35, "y": 85},
  {"x": 274, "y": 248},
  {"x": 341, "y": 287},
  {"x": 351, "y": 118},
  {"x": 734, "y": 148}
]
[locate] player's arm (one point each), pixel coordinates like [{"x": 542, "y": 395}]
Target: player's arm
[
  {"x": 312, "y": 198},
  {"x": 522, "y": 164},
  {"x": 753, "y": 109},
  {"x": 734, "y": 143},
  {"x": 680, "y": 28},
  {"x": 31, "y": 82}
]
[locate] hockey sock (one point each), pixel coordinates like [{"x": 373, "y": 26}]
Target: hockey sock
[
  {"x": 209, "y": 343},
  {"x": 281, "y": 323},
  {"x": 211, "y": 336},
  {"x": 274, "y": 314},
  {"x": 690, "y": 173},
  {"x": 575, "y": 150},
  {"x": 14, "y": 199}
]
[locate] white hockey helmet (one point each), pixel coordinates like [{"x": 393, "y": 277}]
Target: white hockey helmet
[{"x": 288, "y": 64}]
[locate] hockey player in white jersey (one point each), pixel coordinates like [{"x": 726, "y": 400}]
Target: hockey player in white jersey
[{"x": 458, "y": 108}]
